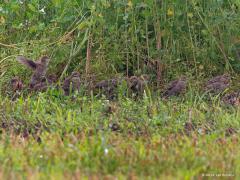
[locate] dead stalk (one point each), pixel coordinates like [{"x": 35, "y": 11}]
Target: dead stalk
[{"x": 89, "y": 49}]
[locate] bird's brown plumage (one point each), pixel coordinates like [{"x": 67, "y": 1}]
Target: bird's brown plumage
[
  {"x": 175, "y": 87},
  {"x": 38, "y": 67},
  {"x": 218, "y": 84},
  {"x": 137, "y": 84},
  {"x": 71, "y": 83},
  {"x": 232, "y": 99},
  {"x": 108, "y": 87},
  {"x": 16, "y": 84}
]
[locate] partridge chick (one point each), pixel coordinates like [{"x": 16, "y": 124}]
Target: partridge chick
[
  {"x": 71, "y": 83},
  {"x": 108, "y": 87},
  {"x": 137, "y": 84},
  {"x": 175, "y": 88},
  {"x": 218, "y": 84},
  {"x": 232, "y": 99},
  {"x": 38, "y": 67},
  {"x": 16, "y": 84}
]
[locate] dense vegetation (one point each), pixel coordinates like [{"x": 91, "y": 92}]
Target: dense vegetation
[{"x": 51, "y": 135}]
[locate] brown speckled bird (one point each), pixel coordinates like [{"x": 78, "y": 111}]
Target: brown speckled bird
[
  {"x": 38, "y": 67},
  {"x": 107, "y": 83},
  {"x": 137, "y": 84},
  {"x": 41, "y": 86},
  {"x": 71, "y": 83},
  {"x": 16, "y": 84},
  {"x": 45, "y": 83},
  {"x": 175, "y": 88},
  {"x": 52, "y": 78},
  {"x": 108, "y": 87},
  {"x": 232, "y": 99},
  {"x": 218, "y": 84}
]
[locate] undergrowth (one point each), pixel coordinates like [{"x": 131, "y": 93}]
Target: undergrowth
[
  {"x": 47, "y": 135},
  {"x": 50, "y": 137}
]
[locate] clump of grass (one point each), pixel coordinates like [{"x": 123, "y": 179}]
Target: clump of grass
[
  {"x": 177, "y": 37},
  {"x": 47, "y": 135},
  {"x": 51, "y": 137}
]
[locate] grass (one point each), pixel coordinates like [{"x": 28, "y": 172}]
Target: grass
[
  {"x": 45, "y": 137},
  {"x": 181, "y": 36}
]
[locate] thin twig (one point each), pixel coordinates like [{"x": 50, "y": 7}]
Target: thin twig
[
  {"x": 8, "y": 45},
  {"x": 88, "y": 58}
]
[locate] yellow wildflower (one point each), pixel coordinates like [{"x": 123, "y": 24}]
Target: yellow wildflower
[
  {"x": 170, "y": 12},
  {"x": 2, "y": 20},
  {"x": 190, "y": 15},
  {"x": 201, "y": 67},
  {"x": 130, "y": 4}
]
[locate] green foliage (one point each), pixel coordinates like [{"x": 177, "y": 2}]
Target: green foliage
[
  {"x": 51, "y": 136},
  {"x": 47, "y": 135},
  {"x": 194, "y": 36}
]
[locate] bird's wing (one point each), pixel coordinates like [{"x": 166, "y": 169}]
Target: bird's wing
[
  {"x": 27, "y": 62},
  {"x": 172, "y": 85},
  {"x": 66, "y": 84},
  {"x": 170, "y": 88},
  {"x": 221, "y": 78},
  {"x": 175, "y": 87},
  {"x": 103, "y": 84}
]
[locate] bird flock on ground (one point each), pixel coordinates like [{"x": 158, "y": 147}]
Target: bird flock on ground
[{"x": 40, "y": 81}]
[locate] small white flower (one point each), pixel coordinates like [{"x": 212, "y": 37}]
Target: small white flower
[
  {"x": 71, "y": 145},
  {"x": 26, "y": 22},
  {"x": 200, "y": 131},
  {"x": 42, "y": 10},
  {"x": 106, "y": 151},
  {"x": 20, "y": 1}
]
